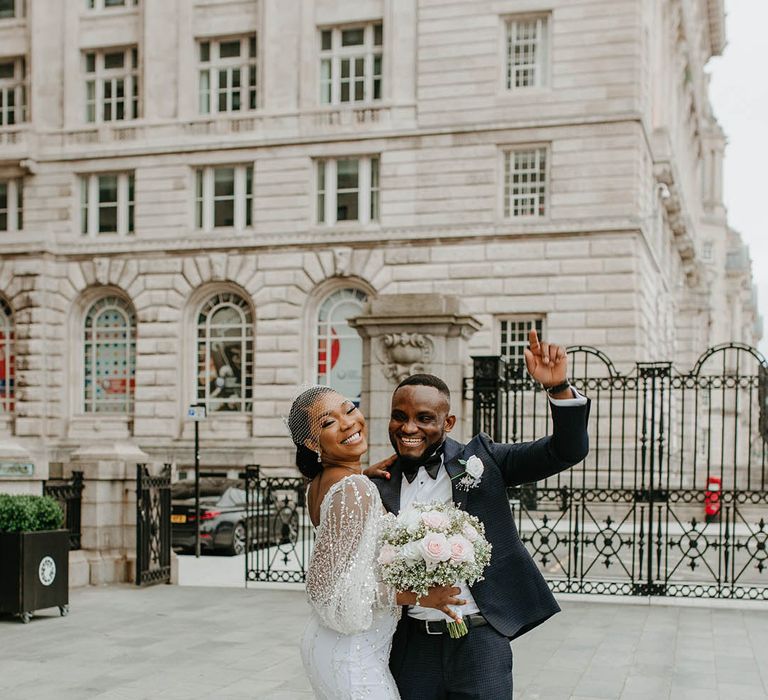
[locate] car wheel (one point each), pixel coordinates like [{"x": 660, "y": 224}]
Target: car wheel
[{"x": 238, "y": 539}]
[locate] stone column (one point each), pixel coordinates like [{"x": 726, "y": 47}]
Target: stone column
[
  {"x": 108, "y": 553},
  {"x": 405, "y": 334}
]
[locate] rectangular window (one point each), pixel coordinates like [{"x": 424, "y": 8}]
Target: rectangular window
[
  {"x": 11, "y": 8},
  {"x": 351, "y": 64},
  {"x": 348, "y": 190},
  {"x": 107, "y": 4},
  {"x": 106, "y": 204},
  {"x": 224, "y": 197},
  {"x": 13, "y": 91},
  {"x": 527, "y": 58},
  {"x": 111, "y": 85},
  {"x": 227, "y": 79},
  {"x": 513, "y": 337},
  {"x": 11, "y": 205},
  {"x": 525, "y": 182}
]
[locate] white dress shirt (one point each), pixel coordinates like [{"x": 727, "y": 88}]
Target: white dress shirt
[{"x": 425, "y": 489}]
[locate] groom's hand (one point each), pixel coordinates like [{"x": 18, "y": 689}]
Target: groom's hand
[
  {"x": 438, "y": 597},
  {"x": 546, "y": 363},
  {"x": 380, "y": 470}
]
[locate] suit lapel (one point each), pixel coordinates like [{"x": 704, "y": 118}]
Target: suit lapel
[
  {"x": 452, "y": 454},
  {"x": 389, "y": 489}
]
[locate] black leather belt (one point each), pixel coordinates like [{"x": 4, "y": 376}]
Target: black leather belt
[{"x": 441, "y": 626}]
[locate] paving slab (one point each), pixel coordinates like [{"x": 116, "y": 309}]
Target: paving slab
[{"x": 198, "y": 642}]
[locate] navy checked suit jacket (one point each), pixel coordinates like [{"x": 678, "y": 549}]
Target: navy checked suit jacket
[{"x": 513, "y": 597}]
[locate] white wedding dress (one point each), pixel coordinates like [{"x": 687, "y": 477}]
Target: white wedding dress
[{"x": 346, "y": 644}]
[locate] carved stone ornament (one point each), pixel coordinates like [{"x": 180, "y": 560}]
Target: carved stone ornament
[{"x": 404, "y": 354}]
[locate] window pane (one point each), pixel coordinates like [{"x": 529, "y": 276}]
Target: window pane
[
  {"x": 107, "y": 188},
  {"x": 377, "y": 34},
  {"x": 325, "y": 40},
  {"x": 346, "y": 174},
  {"x": 353, "y": 37},
  {"x": 114, "y": 3},
  {"x": 7, "y": 9},
  {"x": 252, "y": 47},
  {"x": 6, "y": 70},
  {"x": 224, "y": 182},
  {"x": 3, "y": 195},
  {"x": 114, "y": 60},
  {"x": 90, "y": 63},
  {"x": 346, "y": 207},
  {"x": 224, "y": 213},
  {"x": 229, "y": 49},
  {"x": 205, "y": 51},
  {"x": 108, "y": 219}
]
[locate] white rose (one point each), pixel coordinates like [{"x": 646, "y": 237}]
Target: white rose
[
  {"x": 411, "y": 519},
  {"x": 461, "y": 549},
  {"x": 474, "y": 467},
  {"x": 410, "y": 552},
  {"x": 387, "y": 554},
  {"x": 470, "y": 532},
  {"x": 434, "y": 548},
  {"x": 435, "y": 520}
]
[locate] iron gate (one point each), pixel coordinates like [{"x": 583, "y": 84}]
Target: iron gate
[
  {"x": 631, "y": 518},
  {"x": 153, "y": 526},
  {"x": 279, "y": 533},
  {"x": 69, "y": 495}
]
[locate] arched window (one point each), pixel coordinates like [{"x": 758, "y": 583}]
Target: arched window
[
  {"x": 225, "y": 353},
  {"x": 339, "y": 361},
  {"x": 109, "y": 360},
  {"x": 7, "y": 369}
]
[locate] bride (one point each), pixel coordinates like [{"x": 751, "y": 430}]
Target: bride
[{"x": 346, "y": 643}]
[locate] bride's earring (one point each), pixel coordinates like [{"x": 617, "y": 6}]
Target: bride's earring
[{"x": 319, "y": 458}]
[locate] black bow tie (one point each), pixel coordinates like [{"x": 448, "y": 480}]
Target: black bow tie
[{"x": 432, "y": 465}]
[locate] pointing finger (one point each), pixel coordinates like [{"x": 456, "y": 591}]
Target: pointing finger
[{"x": 533, "y": 341}]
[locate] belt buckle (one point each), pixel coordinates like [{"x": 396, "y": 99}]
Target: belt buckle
[{"x": 426, "y": 627}]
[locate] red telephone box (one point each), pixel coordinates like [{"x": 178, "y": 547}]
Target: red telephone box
[{"x": 712, "y": 499}]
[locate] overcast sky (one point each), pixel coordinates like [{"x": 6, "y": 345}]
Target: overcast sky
[{"x": 739, "y": 93}]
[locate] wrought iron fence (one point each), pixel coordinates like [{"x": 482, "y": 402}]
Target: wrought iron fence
[
  {"x": 672, "y": 498},
  {"x": 279, "y": 532},
  {"x": 153, "y": 525},
  {"x": 69, "y": 494}
]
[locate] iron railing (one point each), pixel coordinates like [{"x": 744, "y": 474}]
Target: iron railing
[
  {"x": 153, "y": 525},
  {"x": 279, "y": 532},
  {"x": 69, "y": 494},
  {"x": 665, "y": 448}
]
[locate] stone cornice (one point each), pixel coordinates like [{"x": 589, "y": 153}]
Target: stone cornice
[
  {"x": 360, "y": 237},
  {"x": 716, "y": 26}
]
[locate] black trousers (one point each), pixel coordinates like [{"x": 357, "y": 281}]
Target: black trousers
[{"x": 437, "y": 667}]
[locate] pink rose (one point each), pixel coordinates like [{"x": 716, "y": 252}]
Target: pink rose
[
  {"x": 435, "y": 520},
  {"x": 470, "y": 532},
  {"x": 461, "y": 549},
  {"x": 434, "y": 548},
  {"x": 387, "y": 554}
]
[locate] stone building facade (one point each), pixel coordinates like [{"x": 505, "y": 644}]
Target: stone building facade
[{"x": 196, "y": 196}]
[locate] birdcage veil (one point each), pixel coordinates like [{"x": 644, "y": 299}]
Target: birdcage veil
[{"x": 299, "y": 420}]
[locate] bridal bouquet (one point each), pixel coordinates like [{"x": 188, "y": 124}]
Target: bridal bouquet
[{"x": 433, "y": 544}]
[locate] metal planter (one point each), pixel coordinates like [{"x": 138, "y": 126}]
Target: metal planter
[{"x": 34, "y": 572}]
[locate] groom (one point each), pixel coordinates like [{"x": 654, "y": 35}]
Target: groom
[{"x": 512, "y": 598}]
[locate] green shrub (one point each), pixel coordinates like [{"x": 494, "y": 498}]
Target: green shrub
[{"x": 20, "y": 513}]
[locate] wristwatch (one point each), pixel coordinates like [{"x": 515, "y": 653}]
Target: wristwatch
[{"x": 563, "y": 386}]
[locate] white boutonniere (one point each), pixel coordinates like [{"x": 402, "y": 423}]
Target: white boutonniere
[{"x": 473, "y": 473}]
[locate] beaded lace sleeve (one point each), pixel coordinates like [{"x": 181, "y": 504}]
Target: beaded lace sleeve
[{"x": 342, "y": 582}]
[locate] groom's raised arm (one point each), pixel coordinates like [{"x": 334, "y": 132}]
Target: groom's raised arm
[{"x": 567, "y": 445}]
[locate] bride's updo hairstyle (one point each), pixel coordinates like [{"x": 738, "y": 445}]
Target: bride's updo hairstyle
[{"x": 300, "y": 424}]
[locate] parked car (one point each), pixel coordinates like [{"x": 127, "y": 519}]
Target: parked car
[{"x": 224, "y": 517}]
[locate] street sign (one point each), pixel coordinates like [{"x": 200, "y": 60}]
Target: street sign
[{"x": 196, "y": 413}]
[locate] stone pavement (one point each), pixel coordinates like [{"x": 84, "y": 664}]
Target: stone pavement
[{"x": 190, "y": 643}]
